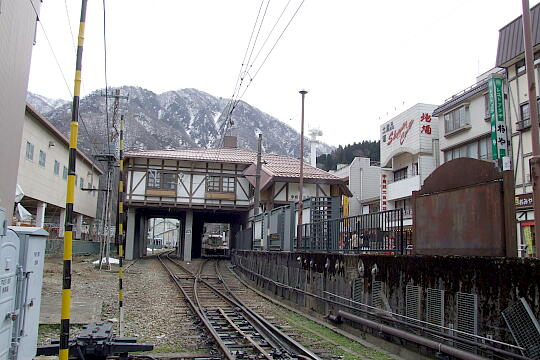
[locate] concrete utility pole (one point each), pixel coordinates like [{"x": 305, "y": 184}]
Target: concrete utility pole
[
  {"x": 534, "y": 162},
  {"x": 257, "y": 203},
  {"x": 301, "y": 183},
  {"x": 65, "y": 312}
]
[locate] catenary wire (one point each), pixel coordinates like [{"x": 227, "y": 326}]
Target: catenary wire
[
  {"x": 237, "y": 100},
  {"x": 238, "y": 83},
  {"x": 91, "y": 138}
]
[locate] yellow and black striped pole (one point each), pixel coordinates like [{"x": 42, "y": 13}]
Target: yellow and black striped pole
[
  {"x": 70, "y": 196},
  {"x": 120, "y": 229}
]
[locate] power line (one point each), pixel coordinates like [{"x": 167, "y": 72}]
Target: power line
[
  {"x": 271, "y": 31},
  {"x": 69, "y": 24},
  {"x": 272, "y": 49},
  {"x": 233, "y": 103},
  {"x": 91, "y": 138},
  {"x": 257, "y": 36}
]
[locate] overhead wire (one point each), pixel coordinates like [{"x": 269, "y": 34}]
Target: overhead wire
[
  {"x": 91, "y": 138},
  {"x": 237, "y": 99},
  {"x": 244, "y": 70},
  {"x": 239, "y": 78},
  {"x": 272, "y": 49}
]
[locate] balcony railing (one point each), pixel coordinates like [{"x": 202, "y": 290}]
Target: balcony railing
[{"x": 523, "y": 124}]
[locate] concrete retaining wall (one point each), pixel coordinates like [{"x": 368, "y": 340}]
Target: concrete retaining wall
[
  {"x": 80, "y": 247},
  {"x": 496, "y": 282}
]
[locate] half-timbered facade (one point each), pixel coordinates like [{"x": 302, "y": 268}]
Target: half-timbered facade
[{"x": 200, "y": 186}]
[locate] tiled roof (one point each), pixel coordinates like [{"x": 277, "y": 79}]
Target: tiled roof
[
  {"x": 461, "y": 97},
  {"x": 237, "y": 156},
  {"x": 275, "y": 165}
]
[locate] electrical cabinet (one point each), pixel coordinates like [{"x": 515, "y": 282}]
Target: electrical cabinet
[
  {"x": 9, "y": 255},
  {"x": 22, "y": 253},
  {"x": 30, "y": 279}
]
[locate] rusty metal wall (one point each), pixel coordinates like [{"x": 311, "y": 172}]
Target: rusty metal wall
[
  {"x": 465, "y": 221},
  {"x": 460, "y": 211}
]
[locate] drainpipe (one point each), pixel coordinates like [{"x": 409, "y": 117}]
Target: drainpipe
[{"x": 440, "y": 347}]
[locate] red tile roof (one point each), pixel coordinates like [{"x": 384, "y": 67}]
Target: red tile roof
[{"x": 278, "y": 166}]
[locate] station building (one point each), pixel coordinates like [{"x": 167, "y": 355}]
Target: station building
[
  {"x": 42, "y": 176},
  {"x": 201, "y": 186},
  {"x": 511, "y": 57},
  {"x": 409, "y": 153}
]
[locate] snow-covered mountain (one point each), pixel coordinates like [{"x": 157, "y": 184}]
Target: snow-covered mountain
[{"x": 174, "y": 119}]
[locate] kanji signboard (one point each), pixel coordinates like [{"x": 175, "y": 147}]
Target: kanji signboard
[{"x": 499, "y": 140}]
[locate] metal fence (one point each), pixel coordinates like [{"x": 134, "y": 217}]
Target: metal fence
[{"x": 376, "y": 232}]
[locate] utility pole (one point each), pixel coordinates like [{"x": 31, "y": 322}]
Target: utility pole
[
  {"x": 301, "y": 184},
  {"x": 258, "y": 177},
  {"x": 534, "y": 162},
  {"x": 120, "y": 229},
  {"x": 110, "y": 157},
  {"x": 153, "y": 234},
  {"x": 65, "y": 312}
]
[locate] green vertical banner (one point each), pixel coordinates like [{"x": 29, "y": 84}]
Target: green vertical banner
[{"x": 499, "y": 140}]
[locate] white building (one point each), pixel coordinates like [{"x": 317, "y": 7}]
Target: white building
[
  {"x": 17, "y": 35},
  {"x": 42, "y": 175},
  {"x": 511, "y": 57},
  {"x": 465, "y": 129},
  {"x": 409, "y": 153},
  {"x": 363, "y": 179}
]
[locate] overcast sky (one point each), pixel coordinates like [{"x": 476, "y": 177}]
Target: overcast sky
[{"x": 361, "y": 61}]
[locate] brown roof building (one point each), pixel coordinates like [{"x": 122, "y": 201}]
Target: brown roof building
[{"x": 200, "y": 186}]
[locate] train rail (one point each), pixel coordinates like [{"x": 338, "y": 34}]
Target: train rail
[{"x": 238, "y": 331}]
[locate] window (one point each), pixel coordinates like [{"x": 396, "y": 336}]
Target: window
[
  {"x": 520, "y": 67},
  {"x": 42, "y": 157},
  {"x": 228, "y": 184},
  {"x": 456, "y": 119},
  {"x": 65, "y": 173},
  {"x": 29, "y": 150},
  {"x": 525, "y": 116},
  {"x": 484, "y": 149},
  {"x": 486, "y": 107},
  {"x": 220, "y": 184},
  {"x": 415, "y": 169},
  {"x": 56, "y": 167},
  {"x": 168, "y": 181},
  {"x": 404, "y": 204},
  {"x": 213, "y": 183},
  {"x": 479, "y": 149},
  {"x": 472, "y": 150},
  {"x": 400, "y": 174},
  {"x": 373, "y": 208},
  {"x": 81, "y": 183},
  {"x": 161, "y": 180},
  {"x": 154, "y": 179}
]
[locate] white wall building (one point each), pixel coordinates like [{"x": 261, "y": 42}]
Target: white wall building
[
  {"x": 409, "y": 153},
  {"x": 511, "y": 57},
  {"x": 465, "y": 129},
  {"x": 363, "y": 179},
  {"x": 17, "y": 35},
  {"x": 42, "y": 175}
]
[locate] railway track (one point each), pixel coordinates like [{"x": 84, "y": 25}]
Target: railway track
[{"x": 238, "y": 331}]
